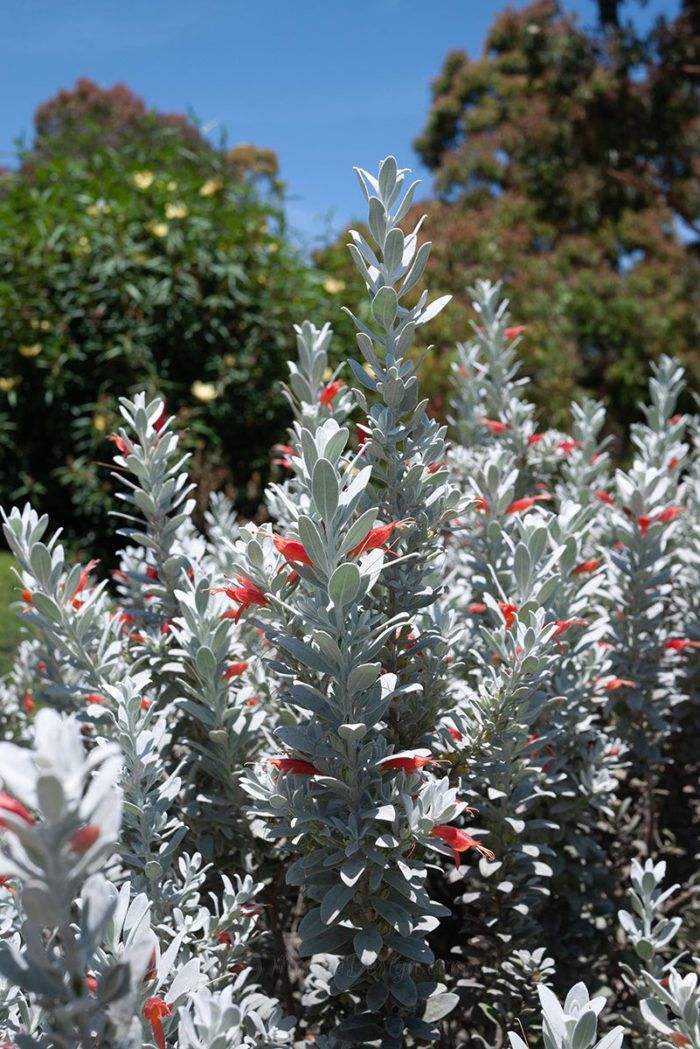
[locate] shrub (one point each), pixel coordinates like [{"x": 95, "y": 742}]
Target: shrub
[
  {"x": 404, "y": 740},
  {"x": 149, "y": 263}
]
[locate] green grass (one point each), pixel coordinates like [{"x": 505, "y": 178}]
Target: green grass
[{"x": 10, "y": 622}]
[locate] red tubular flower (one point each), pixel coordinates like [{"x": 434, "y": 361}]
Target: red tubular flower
[
  {"x": 564, "y": 624},
  {"x": 5, "y": 884},
  {"x": 91, "y": 984},
  {"x": 673, "y": 462},
  {"x": 162, "y": 418},
  {"x": 535, "y": 438},
  {"x": 604, "y": 497},
  {"x": 477, "y": 608},
  {"x": 96, "y": 698},
  {"x": 26, "y": 596},
  {"x": 512, "y": 333},
  {"x": 669, "y": 514},
  {"x": 508, "y": 612},
  {"x": 245, "y": 595},
  {"x": 407, "y": 763},
  {"x": 330, "y": 392},
  {"x": 481, "y": 504},
  {"x": 285, "y": 453},
  {"x": 236, "y": 669},
  {"x": 568, "y": 446},
  {"x": 292, "y": 550},
  {"x": 145, "y": 704},
  {"x": 83, "y": 581},
  {"x": 84, "y": 838},
  {"x": 619, "y": 682},
  {"x": 456, "y": 734},
  {"x": 120, "y": 443},
  {"x": 460, "y": 841},
  {"x": 297, "y": 766},
  {"x": 225, "y": 938},
  {"x": 10, "y": 804},
  {"x": 29, "y": 704},
  {"x": 679, "y": 644},
  {"x": 586, "y": 566},
  {"x": 644, "y": 522},
  {"x": 377, "y": 537},
  {"x": 495, "y": 425},
  {"x": 154, "y": 1010},
  {"x": 679, "y": 1039},
  {"x": 524, "y": 504}
]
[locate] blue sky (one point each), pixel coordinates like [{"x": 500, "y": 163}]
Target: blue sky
[{"x": 325, "y": 84}]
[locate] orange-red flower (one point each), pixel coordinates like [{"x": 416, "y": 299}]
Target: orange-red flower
[
  {"x": 120, "y": 443},
  {"x": 456, "y": 734},
  {"x": 517, "y": 329},
  {"x": 604, "y": 497},
  {"x": 586, "y": 566},
  {"x": 330, "y": 392},
  {"x": 96, "y": 698},
  {"x": 564, "y": 624},
  {"x": 84, "y": 838},
  {"x": 679, "y": 644},
  {"x": 297, "y": 766},
  {"x": 477, "y": 608},
  {"x": 509, "y": 612},
  {"x": 644, "y": 523},
  {"x": 568, "y": 446},
  {"x": 535, "y": 438},
  {"x": 377, "y": 537},
  {"x": 285, "y": 452},
  {"x": 29, "y": 704},
  {"x": 670, "y": 514},
  {"x": 10, "y": 804},
  {"x": 292, "y": 550},
  {"x": 460, "y": 841},
  {"x": 614, "y": 683},
  {"x": 245, "y": 595},
  {"x": 83, "y": 581},
  {"x": 236, "y": 669},
  {"x": 495, "y": 425},
  {"x": 524, "y": 504},
  {"x": 407, "y": 763},
  {"x": 154, "y": 1010}
]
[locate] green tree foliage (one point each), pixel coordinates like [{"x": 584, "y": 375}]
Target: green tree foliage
[
  {"x": 133, "y": 254},
  {"x": 565, "y": 163},
  {"x": 561, "y": 161}
]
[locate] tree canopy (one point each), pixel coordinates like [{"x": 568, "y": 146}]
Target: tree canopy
[{"x": 566, "y": 162}]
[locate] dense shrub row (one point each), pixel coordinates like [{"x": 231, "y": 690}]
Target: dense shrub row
[
  {"x": 399, "y": 767},
  {"x": 151, "y": 261}
]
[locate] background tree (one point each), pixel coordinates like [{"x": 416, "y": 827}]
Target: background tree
[
  {"x": 134, "y": 254},
  {"x": 565, "y": 162}
]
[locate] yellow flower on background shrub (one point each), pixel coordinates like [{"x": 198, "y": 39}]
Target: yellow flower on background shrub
[
  {"x": 8, "y": 382},
  {"x": 204, "y": 391},
  {"x": 212, "y": 185},
  {"x": 158, "y": 229},
  {"x": 333, "y": 286},
  {"x": 31, "y": 351},
  {"x": 176, "y": 211},
  {"x": 99, "y": 422},
  {"x": 143, "y": 179}
]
